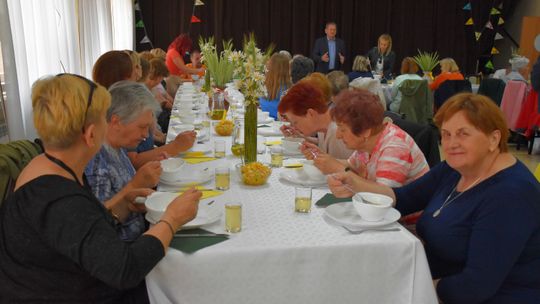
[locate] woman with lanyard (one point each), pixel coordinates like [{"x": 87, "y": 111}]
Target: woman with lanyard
[{"x": 382, "y": 58}]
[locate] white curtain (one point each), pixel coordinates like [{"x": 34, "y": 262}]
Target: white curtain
[{"x": 56, "y": 36}]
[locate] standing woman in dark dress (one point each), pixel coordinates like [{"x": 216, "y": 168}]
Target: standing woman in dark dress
[
  {"x": 382, "y": 58},
  {"x": 58, "y": 243}
]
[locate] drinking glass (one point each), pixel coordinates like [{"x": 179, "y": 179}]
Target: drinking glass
[
  {"x": 233, "y": 217},
  {"x": 302, "y": 200},
  {"x": 223, "y": 178},
  {"x": 219, "y": 148}
]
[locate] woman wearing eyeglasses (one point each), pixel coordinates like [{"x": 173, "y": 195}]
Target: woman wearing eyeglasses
[{"x": 58, "y": 243}]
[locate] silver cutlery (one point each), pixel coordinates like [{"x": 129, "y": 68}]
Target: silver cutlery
[{"x": 370, "y": 229}]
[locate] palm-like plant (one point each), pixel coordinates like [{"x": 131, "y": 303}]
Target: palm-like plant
[
  {"x": 426, "y": 61},
  {"x": 219, "y": 66}
]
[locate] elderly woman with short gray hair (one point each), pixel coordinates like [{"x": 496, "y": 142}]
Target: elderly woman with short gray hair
[{"x": 129, "y": 118}]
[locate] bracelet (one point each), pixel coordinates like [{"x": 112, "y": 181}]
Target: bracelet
[{"x": 168, "y": 224}]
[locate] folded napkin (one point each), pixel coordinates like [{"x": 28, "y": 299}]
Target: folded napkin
[
  {"x": 206, "y": 193},
  {"x": 272, "y": 143},
  {"x": 193, "y": 154},
  {"x": 196, "y": 157},
  {"x": 193, "y": 243},
  {"x": 329, "y": 199}
]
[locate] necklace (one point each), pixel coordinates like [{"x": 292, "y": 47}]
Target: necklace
[{"x": 447, "y": 201}]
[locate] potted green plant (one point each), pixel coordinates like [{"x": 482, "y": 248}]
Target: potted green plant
[{"x": 427, "y": 62}]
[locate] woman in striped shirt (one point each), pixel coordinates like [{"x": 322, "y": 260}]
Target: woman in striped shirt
[{"x": 384, "y": 153}]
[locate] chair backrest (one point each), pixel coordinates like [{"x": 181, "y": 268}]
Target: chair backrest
[
  {"x": 425, "y": 136},
  {"x": 512, "y": 101},
  {"x": 492, "y": 88},
  {"x": 14, "y": 156},
  {"x": 416, "y": 103},
  {"x": 448, "y": 89},
  {"x": 370, "y": 84}
]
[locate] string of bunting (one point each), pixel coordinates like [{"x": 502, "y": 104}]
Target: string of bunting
[
  {"x": 495, "y": 17},
  {"x": 139, "y": 24}
]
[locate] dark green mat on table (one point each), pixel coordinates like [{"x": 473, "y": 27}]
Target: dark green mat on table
[
  {"x": 191, "y": 244},
  {"x": 329, "y": 199}
]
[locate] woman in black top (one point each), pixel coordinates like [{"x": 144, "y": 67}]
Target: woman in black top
[
  {"x": 57, "y": 241},
  {"x": 382, "y": 58}
]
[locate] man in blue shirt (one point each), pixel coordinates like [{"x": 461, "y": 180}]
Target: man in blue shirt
[{"x": 329, "y": 51}]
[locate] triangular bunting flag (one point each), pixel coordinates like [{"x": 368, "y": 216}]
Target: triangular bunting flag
[
  {"x": 477, "y": 35},
  {"x": 145, "y": 40},
  {"x": 494, "y": 51},
  {"x": 139, "y": 24},
  {"x": 494, "y": 11},
  {"x": 498, "y": 36},
  {"x": 469, "y": 22},
  {"x": 467, "y": 7},
  {"x": 198, "y": 2},
  {"x": 489, "y": 65},
  {"x": 194, "y": 19},
  {"x": 501, "y": 21},
  {"x": 489, "y": 25},
  {"x": 137, "y": 8},
  {"x": 501, "y": 6}
]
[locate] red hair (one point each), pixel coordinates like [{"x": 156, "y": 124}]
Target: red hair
[
  {"x": 111, "y": 67},
  {"x": 301, "y": 97},
  {"x": 359, "y": 109},
  {"x": 181, "y": 44}
]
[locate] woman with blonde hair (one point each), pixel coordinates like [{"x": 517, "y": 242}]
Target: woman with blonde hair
[
  {"x": 449, "y": 71},
  {"x": 58, "y": 242},
  {"x": 360, "y": 68},
  {"x": 277, "y": 81},
  {"x": 382, "y": 58}
]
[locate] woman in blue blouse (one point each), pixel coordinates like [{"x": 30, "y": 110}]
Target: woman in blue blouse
[
  {"x": 278, "y": 80},
  {"x": 481, "y": 219}
]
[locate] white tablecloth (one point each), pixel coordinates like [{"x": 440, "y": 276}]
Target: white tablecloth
[{"x": 284, "y": 257}]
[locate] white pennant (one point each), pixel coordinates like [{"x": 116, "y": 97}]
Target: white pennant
[
  {"x": 145, "y": 40},
  {"x": 498, "y": 36},
  {"x": 198, "y": 2},
  {"x": 137, "y": 8}
]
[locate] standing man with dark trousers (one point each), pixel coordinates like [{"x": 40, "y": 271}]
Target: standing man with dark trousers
[{"x": 329, "y": 51}]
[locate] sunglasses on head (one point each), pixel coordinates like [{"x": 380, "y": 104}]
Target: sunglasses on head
[{"x": 92, "y": 86}]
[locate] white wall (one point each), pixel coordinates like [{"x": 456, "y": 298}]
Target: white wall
[{"x": 513, "y": 27}]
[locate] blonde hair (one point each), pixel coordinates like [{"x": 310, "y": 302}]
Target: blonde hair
[
  {"x": 388, "y": 38},
  {"x": 159, "y": 53},
  {"x": 360, "y": 64},
  {"x": 278, "y": 76},
  {"x": 449, "y": 64},
  {"x": 134, "y": 56},
  {"x": 60, "y": 111}
]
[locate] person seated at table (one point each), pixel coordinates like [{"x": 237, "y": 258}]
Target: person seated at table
[
  {"x": 383, "y": 153},
  {"x": 519, "y": 69},
  {"x": 58, "y": 243},
  {"x": 409, "y": 68},
  {"x": 136, "y": 72},
  {"x": 195, "y": 58},
  {"x": 301, "y": 66},
  {"x": 360, "y": 68},
  {"x": 277, "y": 81},
  {"x": 115, "y": 66},
  {"x": 158, "y": 72},
  {"x": 481, "y": 219},
  {"x": 449, "y": 71},
  {"x": 159, "y": 52},
  {"x": 339, "y": 82},
  {"x": 175, "y": 56},
  {"x": 309, "y": 114},
  {"x": 382, "y": 58}
]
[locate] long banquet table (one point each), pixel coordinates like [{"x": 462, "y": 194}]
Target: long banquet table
[{"x": 284, "y": 257}]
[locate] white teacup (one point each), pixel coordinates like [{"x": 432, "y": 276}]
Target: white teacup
[
  {"x": 372, "y": 207},
  {"x": 292, "y": 144},
  {"x": 171, "y": 168}
]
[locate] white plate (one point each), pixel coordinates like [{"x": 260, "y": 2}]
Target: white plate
[
  {"x": 345, "y": 214},
  {"x": 204, "y": 148},
  {"x": 206, "y": 215},
  {"x": 299, "y": 177},
  {"x": 187, "y": 176}
]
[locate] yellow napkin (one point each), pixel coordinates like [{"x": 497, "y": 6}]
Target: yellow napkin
[
  {"x": 272, "y": 143},
  {"x": 295, "y": 165},
  {"x": 198, "y": 160},
  {"x": 196, "y": 157},
  {"x": 206, "y": 193}
]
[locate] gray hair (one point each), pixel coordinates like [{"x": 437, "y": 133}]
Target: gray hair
[
  {"x": 129, "y": 100},
  {"x": 300, "y": 68}
]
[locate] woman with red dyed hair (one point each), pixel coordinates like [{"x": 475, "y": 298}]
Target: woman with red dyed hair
[
  {"x": 307, "y": 110},
  {"x": 384, "y": 154},
  {"x": 175, "y": 56}
]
